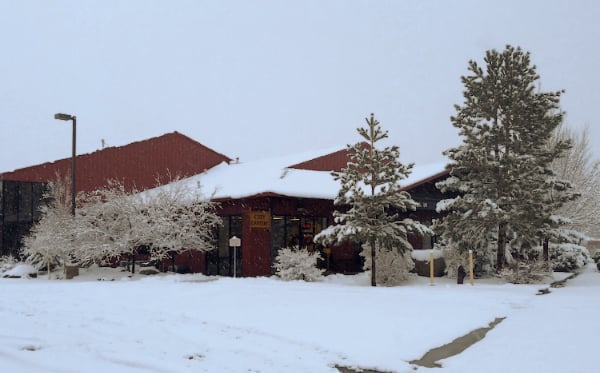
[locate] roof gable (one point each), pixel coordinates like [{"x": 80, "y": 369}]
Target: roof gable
[{"x": 334, "y": 161}]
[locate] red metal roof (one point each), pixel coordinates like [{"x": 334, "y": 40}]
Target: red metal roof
[
  {"x": 329, "y": 162},
  {"x": 140, "y": 164},
  {"x": 438, "y": 176}
]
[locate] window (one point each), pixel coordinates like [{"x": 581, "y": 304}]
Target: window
[
  {"x": 25, "y": 202},
  {"x": 288, "y": 231},
  {"x": 11, "y": 202}
]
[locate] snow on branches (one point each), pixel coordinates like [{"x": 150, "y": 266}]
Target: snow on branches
[
  {"x": 508, "y": 194},
  {"x": 393, "y": 266},
  {"x": 370, "y": 202},
  {"x": 293, "y": 263},
  {"x": 110, "y": 223}
]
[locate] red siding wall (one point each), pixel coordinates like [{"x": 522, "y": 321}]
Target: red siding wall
[
  {"x": 256, "y": 246},
  {"x": 256, "y": 254}
]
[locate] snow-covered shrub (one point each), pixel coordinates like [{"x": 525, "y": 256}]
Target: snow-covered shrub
[
  {"x": 596, "y": 257},
  {"x": 20, "y": 271},
  {"x": 525, "y": 272},
  {"x": 297, "y": 264},
  {"x": 454, "y": 259},
  {"x": 568, "y": 257},
  {"x": 392, "y": 267},
  {"x": 44, "y": 261},
  {"x": 7, "y": 263}
]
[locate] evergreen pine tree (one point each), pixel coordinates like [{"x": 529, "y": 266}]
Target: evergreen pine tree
[
  {"x": 370, "y": 200},
  {"x": 507, "y": 192}
]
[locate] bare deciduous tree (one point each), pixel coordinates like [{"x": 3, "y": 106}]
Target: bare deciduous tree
[
  {"x": 579, "y": 167},
  {"x": 50, "y": 240},
  {"x": 110, "y": 222}
]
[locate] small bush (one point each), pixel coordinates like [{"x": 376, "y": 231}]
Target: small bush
[
  {"x": 525, "y": 272},
  {"x": 568, "y": 257},
  {"x": 392, "y": 267},
  {"x": 596, "y": 257},
  {"x": 454, "y": 259},
  {"x": 7, "y": 263},
  {"x": 40, "y": 262},
  {"x": 297, "y": 264}
]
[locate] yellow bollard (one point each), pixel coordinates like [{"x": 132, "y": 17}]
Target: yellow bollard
[
  {"x": 471, "y": 267},
  {"x": 431, "y": 268}
]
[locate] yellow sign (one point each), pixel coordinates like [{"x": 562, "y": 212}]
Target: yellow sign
[{"x": 260, "y": 219}]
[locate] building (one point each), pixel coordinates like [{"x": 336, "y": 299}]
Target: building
[
  {"x": 143, "y": 164},
  {"x": 269, "y": 204},
  {"x": 283, "y": 202}
]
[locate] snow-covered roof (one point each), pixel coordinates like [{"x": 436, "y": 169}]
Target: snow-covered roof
[{"x": 274, "y": 176}]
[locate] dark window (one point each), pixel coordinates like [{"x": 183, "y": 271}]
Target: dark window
[
  {"x": 11, "y": 202},
  {"x": 25, "y": 203},
  {"x": 37, "y": 194},
  {"x": 294, "y": 231}
]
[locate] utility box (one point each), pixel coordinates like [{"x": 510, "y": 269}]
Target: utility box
[{"x": 71, "y": 271}]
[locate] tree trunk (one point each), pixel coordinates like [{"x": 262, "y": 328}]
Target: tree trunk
[
  {"x": 546, "y": 250},
  {"x": 132, "y": 256},
  {"x": 373, "y": 281},
  {"x": 501, "y": 246}
]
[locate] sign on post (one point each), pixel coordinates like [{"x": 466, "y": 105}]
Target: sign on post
[{"x": 235, "y": 242}]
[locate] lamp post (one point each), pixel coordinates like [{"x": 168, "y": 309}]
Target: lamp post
[{"x": 73, "y": 118}]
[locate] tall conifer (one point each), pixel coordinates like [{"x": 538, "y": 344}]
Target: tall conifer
[
  {"x": 370, "y": 201},
  {"x": 507, "y": 192}
]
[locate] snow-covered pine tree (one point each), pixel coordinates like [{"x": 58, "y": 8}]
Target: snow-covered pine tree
[
  {"x": 502, "y": 171},
  {"x": 370, "y": 201}
]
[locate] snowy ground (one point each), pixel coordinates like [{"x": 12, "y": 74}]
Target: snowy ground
[{"x": 191, "y": 323}]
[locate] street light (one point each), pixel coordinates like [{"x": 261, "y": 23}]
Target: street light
[{"x": 73, "y": 118}]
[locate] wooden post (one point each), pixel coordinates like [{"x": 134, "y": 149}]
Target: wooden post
[
  {"x": 471, "y": 267},
  {"x": 431, "y": 268}
]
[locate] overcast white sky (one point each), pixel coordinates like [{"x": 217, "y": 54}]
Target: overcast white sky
[{"x": 255, "y": 79}]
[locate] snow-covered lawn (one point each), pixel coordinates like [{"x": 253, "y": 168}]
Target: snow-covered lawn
[{"x": 192, "y": 323}]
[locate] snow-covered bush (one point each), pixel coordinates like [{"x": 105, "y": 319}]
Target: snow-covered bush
[
  {"x": 44, "y": 261},
  {"x": 568, "y": 257},
  {"x": 454, "y": 259},
  {"x": 7, "y": 263},
  {"x": 20, "y": 270},
  {"x": 522, "y": 272},
  {"x": 392, "y": 266},
  {"x": 297, "y": 264},
  {"x": 596, "y": 257}
]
